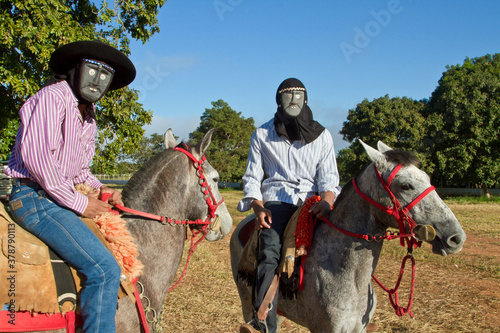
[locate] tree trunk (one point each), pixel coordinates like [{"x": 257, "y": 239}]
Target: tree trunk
[{"x": 486, "y": 191}]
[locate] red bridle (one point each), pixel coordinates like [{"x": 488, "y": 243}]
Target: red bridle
[
  {"x": 406, "y": 225},
  {"x": 405, "y": 222},
  {"x": 207, "y": 191},
  {"x": 214, "y": 225}
]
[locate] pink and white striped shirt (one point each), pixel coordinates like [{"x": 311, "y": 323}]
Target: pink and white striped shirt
[{"x": 55, "y": 146}]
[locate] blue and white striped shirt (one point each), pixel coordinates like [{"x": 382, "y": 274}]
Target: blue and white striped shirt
[{"x": 278, "y": 170}]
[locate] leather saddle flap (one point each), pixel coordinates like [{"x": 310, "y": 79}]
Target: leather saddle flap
[
  {"x": 25, "y": 270},
  {"x": 24, "y": 248}
]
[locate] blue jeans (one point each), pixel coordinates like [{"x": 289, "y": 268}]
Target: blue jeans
[
  {"x": 62, "y": 230},
  {"x": 268, "y": 257}
]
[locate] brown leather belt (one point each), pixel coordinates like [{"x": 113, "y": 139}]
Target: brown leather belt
[{"x": 23, "y": 181}]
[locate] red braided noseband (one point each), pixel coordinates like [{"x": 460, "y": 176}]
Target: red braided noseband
[{"x": 405, "y": 222}]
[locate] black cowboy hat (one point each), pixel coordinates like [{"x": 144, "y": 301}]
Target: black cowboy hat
[{"x": 68, "y": 56}]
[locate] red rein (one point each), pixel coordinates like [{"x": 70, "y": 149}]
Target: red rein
[
  {"x": 212, "y": 208},
  {"x": 406, "y": 225},
  {"x": 209, "y": 198}
]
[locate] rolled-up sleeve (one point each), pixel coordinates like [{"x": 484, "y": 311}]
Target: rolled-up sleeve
[
  {"x": 327, "y": 172},
  {"x": 253, "y": 176}
]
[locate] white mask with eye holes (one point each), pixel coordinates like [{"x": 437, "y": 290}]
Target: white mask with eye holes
[
  {"x": 292, "y": 102},
  {"x": 95, "y": 79}
]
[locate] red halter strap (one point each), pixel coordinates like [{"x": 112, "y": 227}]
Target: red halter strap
[
  {"x": 212, "y": 208},
  {"x": 207, "y": 191},
  {"x": 405, "y": 222}
]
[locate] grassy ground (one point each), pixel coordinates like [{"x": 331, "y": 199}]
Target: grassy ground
[{"x": 458, "y": 293}]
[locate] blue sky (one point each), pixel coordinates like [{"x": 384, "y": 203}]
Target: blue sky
[{"x": 343, "y": 52}]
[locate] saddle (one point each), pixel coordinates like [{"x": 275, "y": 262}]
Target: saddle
[
  {"x": 249, "y": 239},
  {"x": 27, "y": 268},
  {"x": 297, "y": 240}
]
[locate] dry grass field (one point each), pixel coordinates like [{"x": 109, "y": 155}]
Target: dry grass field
[{"x": 458, "y": 293}]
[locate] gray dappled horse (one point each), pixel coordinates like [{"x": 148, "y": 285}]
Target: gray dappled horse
[
  {"x": 166, "y": 185},
  {"x": 338, "y": 294}
]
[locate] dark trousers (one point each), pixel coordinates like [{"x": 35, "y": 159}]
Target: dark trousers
[{"x": 269, "y": 254}]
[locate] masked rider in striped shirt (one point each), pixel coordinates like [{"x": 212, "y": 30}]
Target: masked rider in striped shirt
[{"x": 54, "y": 147}]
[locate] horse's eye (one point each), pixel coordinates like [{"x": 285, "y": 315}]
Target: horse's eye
[{"x": 406, "y": 187}]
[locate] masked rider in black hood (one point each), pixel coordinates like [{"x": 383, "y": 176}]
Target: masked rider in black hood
[{"x": 291, "y": 158}]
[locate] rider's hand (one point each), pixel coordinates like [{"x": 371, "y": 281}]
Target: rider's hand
[
  {"x": 116, "y": 196},
  {"x": 263, "y": 216},
  {"x": 320, "y": 208},
  {"x": 323, "y": 207},
  {"x": 95, "y": 208}
]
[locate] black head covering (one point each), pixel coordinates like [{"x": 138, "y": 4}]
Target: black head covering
[
  {"x": 68, "y": 56},
  {"x": 302, "y": 126}
]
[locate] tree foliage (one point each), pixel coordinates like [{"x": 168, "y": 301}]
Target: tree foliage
[
  {"x": 228, "y": 151},
  {"x": 464, "y": 134},
  {"x": 397, "y": 122},
  {"x": 32, "y": 29},
  {"x": 456, "y": 133},
  {"x": 148, "y": 147}
]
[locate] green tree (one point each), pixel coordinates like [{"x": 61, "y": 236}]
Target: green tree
[
  {"x": 148, "y": 147},
  {"x": 348, "y": 163},
  {"x": 397, "y": 122},
  {"x": 126, "y": 167},
  {"x": 464, "y": 135},
  {"x": 32, "y": 29},
  {"x": 228, "y": 151}
]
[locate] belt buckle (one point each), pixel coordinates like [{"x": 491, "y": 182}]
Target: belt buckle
[{"x": 22, "y": 181}]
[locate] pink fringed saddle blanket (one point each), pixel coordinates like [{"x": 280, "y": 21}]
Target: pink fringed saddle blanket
[{"x": 118, "y": 239}]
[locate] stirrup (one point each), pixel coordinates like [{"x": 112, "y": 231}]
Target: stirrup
[{"x": 259, "y": 324}]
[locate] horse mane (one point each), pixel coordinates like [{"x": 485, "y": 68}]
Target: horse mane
[
  {"x": 403, "y": 157},
  {"x": 140, "y": 178},
  {"x": 399, "y": 156},
  {"x": 153, "y": 166}
]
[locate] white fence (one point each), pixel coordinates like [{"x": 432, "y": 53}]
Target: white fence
[
  {"x": 465, "y": 191},
  {"x": 125, "y": 176},
  {"x": 122, "y": 179}
]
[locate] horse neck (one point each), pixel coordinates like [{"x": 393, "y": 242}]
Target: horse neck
[
  {"x": 152, "y": 186},
  {"x": 160, "y": 246},
  {"x": 353, "y": 214}
]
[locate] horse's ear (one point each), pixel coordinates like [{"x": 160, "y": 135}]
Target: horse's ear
[
  {"x": 377, "y": 157},
  {"x": 202, "y": 146},
  {"x": 169, "y": 140},
  {"x": 382, "y": 147}
]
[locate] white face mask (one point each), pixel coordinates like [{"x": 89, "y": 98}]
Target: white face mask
[
  {"x": 95, "y": 79},
  {"x": 292, "y": 102}
]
